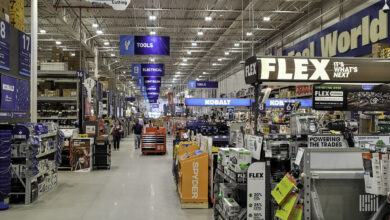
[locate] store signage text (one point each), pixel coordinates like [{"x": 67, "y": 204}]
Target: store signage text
[
  {"x": 217, "y": 102},
  {"x": 119, "y": 5},
  {"x": 251, "y": 70},
  {"x": 352, "y": 36},
  {"x": 326, "y": 141},
  {"x": 202, "y": 84},
  {"x": 144, "y": 45},
  {"x": 195, "y": 180},
  {"x": 4, "y": 45},
  {"x": 280, "y": 103},
  {"x": 149, "y": 69}
]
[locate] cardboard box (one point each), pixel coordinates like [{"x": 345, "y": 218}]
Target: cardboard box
[
  {"x": 57, "y": 54},
  {"x": 223, "y": 155},
  {"x": 225, "y": 190},
  {"x": 240, "y": 159},
  {"x": 16, "y": 12},
  {"x": 230, "y": 206},
  {"x": 108, "y": 84},
  {"x": 69, "y": 92},
  {"x": 377, "y": 48},
  {"x": 52, "y": 93},
  {"x": 4, "y": 10}
]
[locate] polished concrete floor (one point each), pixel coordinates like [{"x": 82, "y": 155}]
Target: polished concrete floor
[{"x": 138, "y": 187}]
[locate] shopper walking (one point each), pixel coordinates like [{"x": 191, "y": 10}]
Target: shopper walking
[
  {"x": 137, "y": 129},
  {"x": 117, "y": 133}
]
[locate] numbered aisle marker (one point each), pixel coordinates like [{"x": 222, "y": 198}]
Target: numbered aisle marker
[
  {"x": 4, "y": 45},
  {"x": 24, "y": 54}
]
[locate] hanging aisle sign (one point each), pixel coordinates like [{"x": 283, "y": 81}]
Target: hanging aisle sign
[
  {"x": 153, "y": 89},
  {"x": 4, "y": 45},
  {"x": 217, "y": 102},
  {"x": 119, "y": 5},
  {"x": 350, "y": 37},
  {"x": 251, "y": 70},
  {"x": 135, "y": 70},
  {"x": 148, "y": 69},
  {"x": 144, "y": 45},
  {"x": 140, "y": 81},
  {"x": 152, "y": 81},
  {"x": 290, "y": 69},
  {"x": 24, "y": 54},
  {"x": 202, "y": 84}
]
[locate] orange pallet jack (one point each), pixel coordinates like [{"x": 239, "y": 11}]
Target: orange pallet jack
[{"x": 154, "y": 141}]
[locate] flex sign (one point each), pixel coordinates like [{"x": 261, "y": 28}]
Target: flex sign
[
  {"x": 323, "y": 69},
  {"x": 350, "y": 37},
  {"x": 144, "y": 45},
  {"x": 251, "y": 70}
]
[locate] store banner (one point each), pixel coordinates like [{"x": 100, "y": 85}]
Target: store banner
[
  {"x": 153, "y": 89},
  {"x": 202, "y": 84},
  {"x": 327, "y": 141},
  {"x": 116, "y": 5},
  {"x": 170, "y": 99},
  {"x": 351, "y": 97},
  {"x": 140, "y": 81},
  {"x": 152, "y": 69},
  {"x": 217, "y": 102},
  {"x": 351, "y": 37},
  {"x": 4, "y": 45},
  {"x": 280, "y": 103},
  {"x": 251, "y": 70},
  {"x": 135, "y": 70},
  {"x": 144, "y": 45},
  {"x": 290, "y": 69},
  {"x": 24, "y": 54},
  {"x": 257, "y": 191},
  {"x": 8, "y": 93},
  {"x": 152, "y": 81}
]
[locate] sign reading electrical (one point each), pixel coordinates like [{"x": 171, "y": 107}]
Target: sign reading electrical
[
  {"x": 323, "y": 69},
  {"x": 119, "y": 5},
  {"x": 352, "y": 36}
]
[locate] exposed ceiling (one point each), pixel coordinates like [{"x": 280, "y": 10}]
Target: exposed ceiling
[{"x": 224, "y": 40}]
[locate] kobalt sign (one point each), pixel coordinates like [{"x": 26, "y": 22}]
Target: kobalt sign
[
  {"x": 323, "y": 69},
  {"x": 352, "y": 36},
  {"x": 119, "y": 5}
]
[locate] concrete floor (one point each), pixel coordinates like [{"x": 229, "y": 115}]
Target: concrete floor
[{"x": 138, "y": 187}]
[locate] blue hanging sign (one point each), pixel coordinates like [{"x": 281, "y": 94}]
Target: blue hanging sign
[
  {"x": 144, "y": 45},
  {"x": 202, "y": 84},
  {"x": 152, "y": 69},
  {"x": 152, "y": 81},
  {"x": 280, "y": 103},
  {"x": 153, "y": 89},
  {"x": 140, "y": 81},
  {"x": 217, "y": 102},
  {"x": 24, "y": 54},
  {"x": 4, "y": 45},
  {"x": 135, "y": 70},
  {"x": 8, "y": 93}
]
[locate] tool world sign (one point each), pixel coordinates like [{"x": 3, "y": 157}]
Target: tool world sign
[
  {"x": 290, "y": 69},
  {"x": 350, "y": 37}
]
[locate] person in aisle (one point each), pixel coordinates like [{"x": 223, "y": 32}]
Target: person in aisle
[
  {"x": 117, "y": 133},
  {"x": 137, "y": 129}
]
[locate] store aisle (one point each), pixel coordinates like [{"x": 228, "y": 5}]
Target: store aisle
[{"x": 138, "y": 187}]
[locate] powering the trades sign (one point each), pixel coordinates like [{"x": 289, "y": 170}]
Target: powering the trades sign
[{"x": 326, "y": 141}]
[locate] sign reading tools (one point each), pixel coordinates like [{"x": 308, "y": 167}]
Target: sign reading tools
[
  {"x": 202, "y": 84},
  {"x": 118, "y": 5},
  {"x": 148, "y": 69},
  {"x": 352, "y": 36},
  {"x": 144, "y": 45},
  {"x": 251, "y": 70},
  {"x": 291, "y": 69}
]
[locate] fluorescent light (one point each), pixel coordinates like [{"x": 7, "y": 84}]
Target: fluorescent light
[
  {"x": 95, "y": 25},
  {"x": 219, "y": 59},
  {"x": 227, "y": 53},
  {"x": 266, "y": 18},
  {"x": 248, "y": 33},
  {"x": 178, "y": 72},
  {"x": 194, "y": 44},
  {"x": 43, "y": 31},
  {"x": 236, "y": 44},
  {"x": 184, "y": 59},
  {"x": 152, "y": 33},
  {"x": 99, "y": 32},
  {"x": 113, "y": 55},
  {"x": 152, "y": 59},
  {"x": 214, "y": 64},
  {"x": 189, "y": 52},
  {"x": 58, "y": 42},
  {"x": 200, "y": 33},
  {"x": 204, "y": 73},
  {"x": 106, "y": 43},
  {"x": 152, "y": 17},
  {"x": 73, "y": 54},
  {"x": 208, "y": 18}
]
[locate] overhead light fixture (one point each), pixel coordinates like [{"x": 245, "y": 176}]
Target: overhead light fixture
[
  {"x": 227, "y": 53},
  {"x": 43, "y": 31},
  {"x": 152, "y": 33},
  {"x": 189, "y": 52},
  {"x": 236, "y": 44},
  {"x": 178, "y": 72},
  {"x": 152, "y": 17},
  {"x": 152, "y": 59},
  {"x": 73, "y": 54},
  {"x": 58, "y": 42},
  {"x": 386, "y": 7},
  {"x": 214, "y": 64},
  {"x": 194, "y": 44},
  {"x": 184, "y": 59},
  {"x": 95, "y": 25},
  {"x": 200, "y": 33},
  {"x": 99, "y": 32},
  {"x": 219, "y": 59},
  {"x": 248, "y": 33},
  {"x": 208, "y": 18},
  {"x": 266, "y": 18},
  {"x": 113, "y": 55},
  {"x": 106, "y": 43},
  {"x": 204, "y": 73}
]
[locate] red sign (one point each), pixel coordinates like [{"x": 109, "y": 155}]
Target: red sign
[{"x": 170, "y": 98}]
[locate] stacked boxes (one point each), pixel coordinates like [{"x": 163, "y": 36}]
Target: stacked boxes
[
  {"x": 4, "y": 10},
  {"x": 225, "y": 190},
  {"x": 69, "y": 92},
  {"x": 376, "y": 173},
  {"x": 52, "y": 93},
  {"x": 223, "y": 155},
  {"x": 56, "y": 54},
  {"x": 240, "y": 159},
  {"x": 16, "y": 12},
  {"x": 230, "y": 207}
]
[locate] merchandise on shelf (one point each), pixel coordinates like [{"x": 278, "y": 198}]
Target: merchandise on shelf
[
  {"x": 240, "y": 159},
  {"x": 5, "y": 168}
]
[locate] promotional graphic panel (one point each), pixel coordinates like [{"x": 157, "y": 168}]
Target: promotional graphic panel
[
  {"x": 144, "y": 45},
  {"x": 24, "y": 54},
  {"x": 8, "y": 93},
  {"x": 256, "y": 191},
  {"x": 251, "y": 70},
  {"x": 4, "y": 45},
  {"x": 202, "y": 84},
  {"x": 217, "y": 102}
]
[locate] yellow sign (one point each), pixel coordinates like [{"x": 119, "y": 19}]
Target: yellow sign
[{"x": 283, "y": 188}]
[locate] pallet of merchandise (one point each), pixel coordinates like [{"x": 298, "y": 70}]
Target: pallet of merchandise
[{"x": 195, "y": 205}]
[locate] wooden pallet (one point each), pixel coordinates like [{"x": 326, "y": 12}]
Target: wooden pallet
[{"x": 195, "y": 205}]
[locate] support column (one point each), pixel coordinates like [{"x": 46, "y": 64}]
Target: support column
[
  {"x": 96, "y": 64},
  {"x": 34, "y": 60}
]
